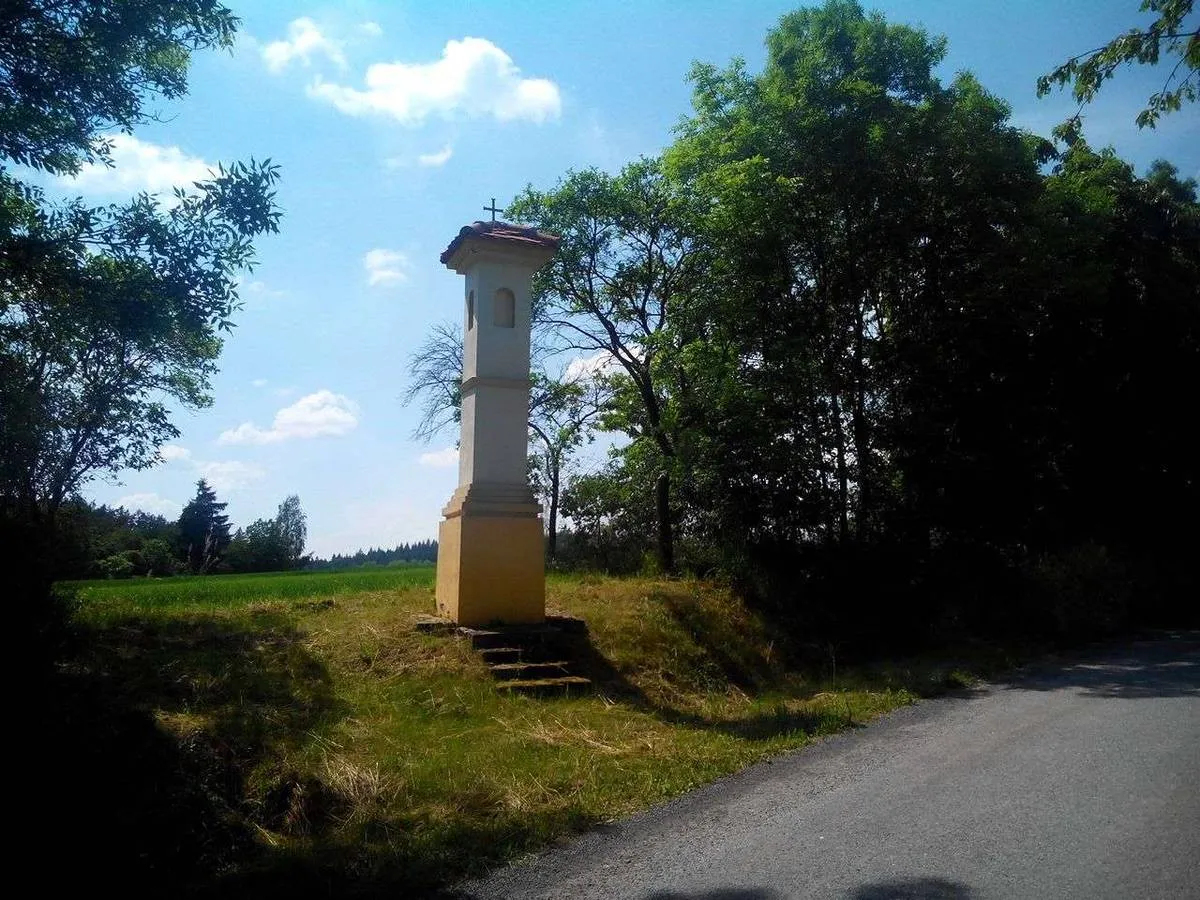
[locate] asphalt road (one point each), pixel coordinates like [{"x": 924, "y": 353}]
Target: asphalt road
[{"x": 1074, "y": 781}]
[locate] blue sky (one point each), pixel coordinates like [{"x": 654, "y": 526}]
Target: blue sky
[{"x": 385, "y": 156}]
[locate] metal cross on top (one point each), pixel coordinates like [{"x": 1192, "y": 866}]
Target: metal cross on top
[{"x": 493, "y": 209}]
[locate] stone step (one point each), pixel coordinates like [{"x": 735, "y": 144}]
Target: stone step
[
  {"x": 483, "y": 639},
  {"x": 525, "y": 636},
  {"x": 529, "y": 671},
  {"x": 494, "y": 655},
  {"x": 434, "y": 625},
  {"x": 564, "y": 685}
]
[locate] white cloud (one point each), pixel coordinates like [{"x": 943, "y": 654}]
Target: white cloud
[
  {"x": 174, "y": 453},
  {"x": 584, "y": 368},
  {"x": 433, "y": 160},
  {"x": 424, "y": 160},
  {"x": 379, "y": 520},
  {"x": 261, "y": 289},
  {"x": 304, "y": 41},
  {"x": 245, "y": 42},
  {"x": 371, "y": 29},
  {"x": 150, "y": 503},
  {"x": 140, "y": 166},
  {"x": 323, "y": 414},
  {"x": 228, "y": 475},
  {"x": 440, "y": 459},
  {"x": 473, "y": 78},
  {"x": 385, "y": 267},
  {"x": 224, "y": 475},
  {"x": 260, "y": 382}
]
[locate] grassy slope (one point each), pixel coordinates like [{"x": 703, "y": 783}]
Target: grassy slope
[{"x": 305, "y": 738}]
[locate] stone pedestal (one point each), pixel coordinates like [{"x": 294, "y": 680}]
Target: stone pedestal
[
  {"x": 490, "y": 546},
  {"x": 490, "y": 562}
]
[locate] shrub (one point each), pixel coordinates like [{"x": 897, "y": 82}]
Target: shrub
[
  {"x": 1083, "y": 589},
  {"x": 116, "y": 566}
]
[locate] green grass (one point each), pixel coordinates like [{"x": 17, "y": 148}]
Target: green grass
[
  {"x": 297, "y": 735},
  {"x": 204, "y": 592}
]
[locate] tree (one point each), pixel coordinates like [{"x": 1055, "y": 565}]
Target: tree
[
  {"x": 203, "y": 530},
  {"x": 623, "y": 268},
  {"x": 88, "y": 533},
  {"x": 1122, "y": 333},
  {"x": 1170, "y": 32},
  {"x": 71, "y": 69},
  {"x": 559, "y": 409},
  {"x": 256, "y": 548},
  {"x": 292, "y": 527},
  {"x": 421, "y": 552},
  {"x": 270, "y": 545},
  {"x": 435, "y": 380},
  {"x": 611, "y": 515},
  {"x": 560, "y": 413},
  {"x": 106, "y": 314},
  {"x": 930, "y": 372},
  {"x": 859, "y": 231},
  {"x": 158, "y": 557}
]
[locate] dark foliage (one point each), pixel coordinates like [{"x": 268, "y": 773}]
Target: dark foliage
[
  {"x": 925, "y": 378},
  {"x": 107, "y": 314}
]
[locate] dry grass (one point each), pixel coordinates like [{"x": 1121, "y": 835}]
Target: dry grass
[{"x": 356, "y": 754}]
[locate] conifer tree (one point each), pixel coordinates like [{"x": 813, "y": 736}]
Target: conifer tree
[{"x": 203, "y": 529}]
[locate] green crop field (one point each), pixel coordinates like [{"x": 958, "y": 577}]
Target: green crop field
[
  {"x": 221, "y": 591},
  {"x": 294, "y": 732}
]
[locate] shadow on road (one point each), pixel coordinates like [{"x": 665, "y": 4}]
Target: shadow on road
[
  {"x": 1167, "y": 665},
  {"x": 913, "y": 889},
  {"x": 717, "y": 894}
]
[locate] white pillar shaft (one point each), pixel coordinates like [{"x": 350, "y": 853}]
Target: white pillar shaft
[
  {"x": 490, "y": 544},
  {"x": 494, "y": 446},
  {"x": 491, "y": 350},
  {"x": 495, "y": 432}
]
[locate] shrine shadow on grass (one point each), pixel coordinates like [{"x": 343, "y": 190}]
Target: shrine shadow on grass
[
  {"x": 150, "y": 749},
  {"x": 146, "y": 737},
  {"x": 148, "y": 734},
  {"x": 746, "y": 671}
]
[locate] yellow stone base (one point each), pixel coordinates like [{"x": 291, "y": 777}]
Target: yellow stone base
[{"x": 491, "y": 569}]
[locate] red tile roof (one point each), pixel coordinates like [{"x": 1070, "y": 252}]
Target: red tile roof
[{"x": 500, "y": 232}]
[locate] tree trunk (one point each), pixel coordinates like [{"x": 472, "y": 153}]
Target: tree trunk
[
  {"x": 829, "y": 520},
  {"x": 27, "y": 553},
  {"x": 858, "y": 425},
  {"x": 839, "y": 440},
  {"x": 552, "y": 535},
  {"x": 666, "y": 539}
]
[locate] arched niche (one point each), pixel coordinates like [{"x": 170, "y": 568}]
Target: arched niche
[{"x": 504, "y": 309}]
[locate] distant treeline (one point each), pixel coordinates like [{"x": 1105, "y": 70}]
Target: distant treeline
[
  {"x": 98, "y": 541},
  {"x": 417, "y": 552}
]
